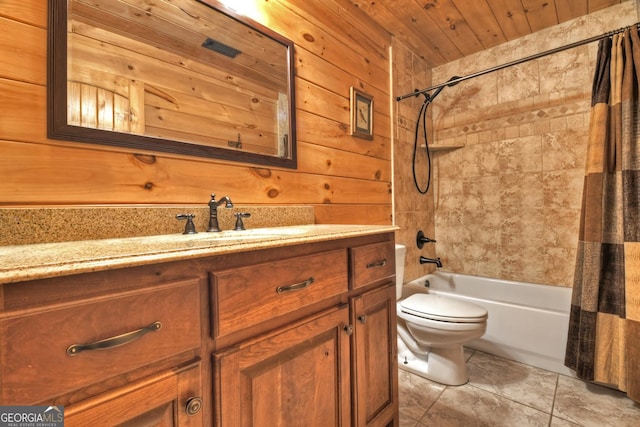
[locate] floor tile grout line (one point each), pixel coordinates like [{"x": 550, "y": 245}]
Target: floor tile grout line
[
  {"x": 511, "y": 400},
  {"x": 443, "y": 390},
  {"x": 433, "y": 404},
  {"x": 557, "y": 379},
  {"x": 555, "y": 395},
  {"x": 489, "y": 392}
]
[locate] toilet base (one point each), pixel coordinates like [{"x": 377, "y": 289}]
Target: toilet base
[{"x": 443, "y": 365}]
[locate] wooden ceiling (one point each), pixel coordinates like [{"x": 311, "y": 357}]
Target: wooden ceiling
[{"x": 445, "y": 30}]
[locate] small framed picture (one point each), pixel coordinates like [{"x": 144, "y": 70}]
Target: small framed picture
[{"x": 361, "y": 114}]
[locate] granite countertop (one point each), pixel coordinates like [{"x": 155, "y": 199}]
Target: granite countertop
[{"x": 43, "y": 260}]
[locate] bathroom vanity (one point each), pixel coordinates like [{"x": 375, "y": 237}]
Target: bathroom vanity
[{"x": 288, "y": 327}]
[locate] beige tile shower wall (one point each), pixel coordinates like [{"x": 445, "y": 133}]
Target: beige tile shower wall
[
  {"x": 507, "y": 205},
  {"x": 412, "y": 211}
]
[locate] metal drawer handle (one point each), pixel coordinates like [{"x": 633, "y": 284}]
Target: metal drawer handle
[
  {"x": 296, "y": 286},
  {"x": 381, "y": 263},
  {"x": 114, "y": 341}
]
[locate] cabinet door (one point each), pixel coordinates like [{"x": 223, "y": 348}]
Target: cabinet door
[
  {"x": 173, "y": 398},
  {"x": 298, "y": 376},
  {"x": 375, "y": 362}
]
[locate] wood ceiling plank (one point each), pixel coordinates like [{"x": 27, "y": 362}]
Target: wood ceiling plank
[
  {"x": 422, "y": 44},
  {"x": 511, "y": 17},
  {"x": 413, "y": 16},
  {"x": 540, "y": 13},
  {"x": 446, "y": 15},
  {"x": 353, "y": 15},
  {"x": 481, "y": 20},
  {"x": 441, "y": 31},
  {"x": 570, "y": 9}
]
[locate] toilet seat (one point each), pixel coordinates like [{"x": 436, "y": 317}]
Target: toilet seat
[{"x": 443, "y": 309}]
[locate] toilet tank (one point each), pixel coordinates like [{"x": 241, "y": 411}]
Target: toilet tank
[{"x": 400, "y": 254}]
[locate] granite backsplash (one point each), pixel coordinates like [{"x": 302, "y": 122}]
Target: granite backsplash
[{"x": 23, "y": 226}]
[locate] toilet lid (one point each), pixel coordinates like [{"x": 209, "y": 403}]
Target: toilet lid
[{"x": 447, "y": 309}]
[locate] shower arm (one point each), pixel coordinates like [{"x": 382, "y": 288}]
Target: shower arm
[{"x": 430, "y": 98}]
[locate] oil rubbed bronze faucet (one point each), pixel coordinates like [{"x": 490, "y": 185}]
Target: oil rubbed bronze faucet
[{"x": 213, "y": 211}]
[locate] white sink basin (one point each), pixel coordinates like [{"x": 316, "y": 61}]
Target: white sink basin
[
  {"x": 201, "y": 240},
  {"x": 264, "y": 232},
  {"x": 247, "y": 235}
]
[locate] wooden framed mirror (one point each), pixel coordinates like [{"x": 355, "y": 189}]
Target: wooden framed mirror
[{"x": 177, "y": 76}]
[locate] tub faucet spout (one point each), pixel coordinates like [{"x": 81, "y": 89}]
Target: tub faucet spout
[{"x": 425, "y": 260}]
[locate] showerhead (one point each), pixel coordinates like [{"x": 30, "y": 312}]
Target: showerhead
[
  {"x": 452, "y": 80},
  {"x": 430, "y": 98},
  {"x": 438, "y": 90}
]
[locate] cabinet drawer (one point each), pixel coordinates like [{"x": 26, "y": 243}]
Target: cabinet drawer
[
  {"x": 247, "y": 296},
  {"x": 372, "y": 263},
  {"x": 37, "y": 353}
]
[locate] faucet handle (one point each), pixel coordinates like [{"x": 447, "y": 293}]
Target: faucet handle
[
  {"x": 421, "y": 239},
  {"x": 239, "y": 223},
  {"x": 189, "y": 227}
]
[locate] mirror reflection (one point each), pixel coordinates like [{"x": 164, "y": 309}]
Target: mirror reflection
[{"x": 176, "y": 76}]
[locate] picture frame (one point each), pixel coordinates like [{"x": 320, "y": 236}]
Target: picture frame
[{"x": 361, "y": 114}]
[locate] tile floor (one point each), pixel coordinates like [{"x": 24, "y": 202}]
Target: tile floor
[{"x": 501, "y": 392}]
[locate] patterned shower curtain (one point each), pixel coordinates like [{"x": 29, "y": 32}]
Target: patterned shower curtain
[{"x": 604, "y": 327}]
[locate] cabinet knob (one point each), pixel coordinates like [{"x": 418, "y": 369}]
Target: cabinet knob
[
  {"x": 193, "y": 406},
  {"x": 348, "y": 329},
  {"x": 362, "y": 318}
]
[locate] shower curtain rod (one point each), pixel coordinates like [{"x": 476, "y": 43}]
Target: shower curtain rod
[{"x": 455, "y": 80}]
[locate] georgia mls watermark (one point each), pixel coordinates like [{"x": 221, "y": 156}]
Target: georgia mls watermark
[{"x": 31, "y": 416}]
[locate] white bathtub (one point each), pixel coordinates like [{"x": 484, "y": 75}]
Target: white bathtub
[{"x": 527, "y": 322}]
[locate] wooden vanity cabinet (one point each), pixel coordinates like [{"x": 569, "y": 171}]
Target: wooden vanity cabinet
[
  {"x": 289, "y": 335},
  {"x": 297, "y": 373},
  {"x": 329, "y": 368},
  {"x": 373, "y": 315}
]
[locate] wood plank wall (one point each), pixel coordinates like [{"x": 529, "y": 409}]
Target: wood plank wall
[{"x": 347, "y": 179}]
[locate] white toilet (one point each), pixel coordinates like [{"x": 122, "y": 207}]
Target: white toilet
[{"x": 432, "y": 330}]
